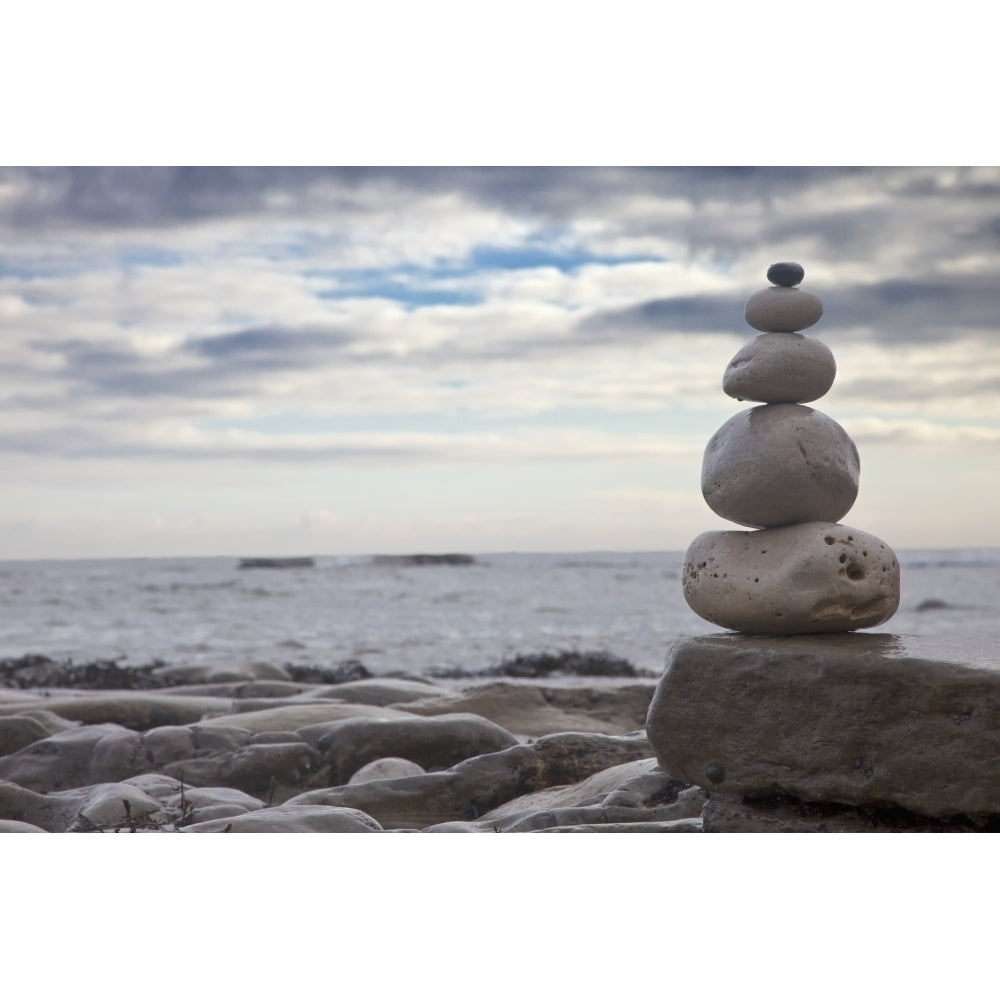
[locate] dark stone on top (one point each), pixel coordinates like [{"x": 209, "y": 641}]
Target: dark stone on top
[{"x": 786, "y": 273}]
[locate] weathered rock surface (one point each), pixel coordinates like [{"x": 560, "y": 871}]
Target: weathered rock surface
[
  {"x": 780, "y": 368},
  {"x": 73, "y": 758},
  {"x": 472, "y": 788},
  {"x": 815, "y": 577},
  {"x": 780, "y": 464},
  {"x": 289, "y": 718},
  {"x": 435, "y": 742},
  {"x": 291, "y": 819},
  {"x": 385, "y": 767},
  {"x": 536, "y": 709},
  {"x": 134, "y": 710},
  {"x": 638, "y": 791},
  {"x": 877, "y": 722},
  {"x": 18, "y": 731},
  {"x": 16, "y": 826},
  {"x": 782, "y": 309}
]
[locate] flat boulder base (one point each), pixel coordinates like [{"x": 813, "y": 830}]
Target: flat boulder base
[
  {"x": 883, "y": 722},
  {"x": 815, "y": 577},
  {"x": 778, "y": 464}
]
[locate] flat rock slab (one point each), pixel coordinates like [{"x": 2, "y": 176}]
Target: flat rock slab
[{"x": 875, "y": 721}]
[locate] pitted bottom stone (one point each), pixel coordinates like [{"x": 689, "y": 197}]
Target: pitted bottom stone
[{"x": 814, "y": 577}]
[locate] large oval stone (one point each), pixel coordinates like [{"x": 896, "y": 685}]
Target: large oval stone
[
  {"x": 780, "y": 464},
  {"x": 816, "y": 577},
  {"x": 780, "y": 368},
  {"x": 782, "y": 310}
]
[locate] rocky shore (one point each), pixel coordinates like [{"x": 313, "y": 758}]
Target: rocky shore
[
  {"x": 825, "y": 733},
  {"x": 99, "y": 748}
]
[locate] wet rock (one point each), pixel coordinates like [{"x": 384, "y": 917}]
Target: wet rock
[
  {"x": 291, "y": 819},
  {"x": 383, "y": 768},
  {"x": 471, "y": 789},
  {"x": 869, "y": 721},
  {"x": 689, "y": 825},
  {"x": 52, "y": 813},
  {"x": 381, "y": 691},
  {"x": 631, "y": 792},
  {"x": 291, "y": 718},
  {"x": 134, "y": 711},
  {"x": 18, "y": 731},
  {"x": 87, "y": 755},
  {"x": 105, "y": 808},
  {"x": 435, "y": 742},
  {"x": 16, "y": 826},
  {"x": 166, "y": 743},
  {"x": 535, "y": 709}
]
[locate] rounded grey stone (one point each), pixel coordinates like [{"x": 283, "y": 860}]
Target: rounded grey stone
[
  {"x": 786, "y": 273},
  {"x": 780, "y": 464},
  {"x": 815, "y": 577},
  {"x": 782, "y": 310},
  {"x": 780, "y": 368}
]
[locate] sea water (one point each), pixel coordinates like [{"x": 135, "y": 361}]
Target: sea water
[{"x": 417, "y": 618}]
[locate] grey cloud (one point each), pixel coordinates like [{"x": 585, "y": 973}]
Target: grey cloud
[{"x": 164, "y": 196}]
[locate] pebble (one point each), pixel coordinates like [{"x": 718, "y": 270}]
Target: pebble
[
  {"x": 786, "y": 273},
  {"x": 815, "y": 577},
  {"x": 778, "y": 464},
  {"x": 780, "y": 368},
  {"x": 782, "y": 310}
]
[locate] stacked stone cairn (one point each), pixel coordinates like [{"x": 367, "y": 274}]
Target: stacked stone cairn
[{"x": 790, "y": 473}]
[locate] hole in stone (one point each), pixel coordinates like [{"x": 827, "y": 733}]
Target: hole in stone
[
  {"x": 828, "y": 539},
  {"x": 779, "y": 614},
  {"x": 855, "y": 572},
  {"x": 843, "y": 557},
  {"x": 756, "y": 579},
  {"x": 865, "y": 554}
]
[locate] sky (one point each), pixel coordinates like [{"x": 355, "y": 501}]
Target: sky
[{"x": 305, "y": 361}]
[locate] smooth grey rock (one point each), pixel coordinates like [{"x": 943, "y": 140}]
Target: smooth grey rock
[
  {"x": 786, "y": 273},
  {"x": 780, "y": 368},
  {"x": 105, "y": 806},
  {"x": 17, "y": 731},
  {"x": 780, "y": 464},
  {"x": 277, "y": 737},
  {"x": 595, "y": 790},
  {"x": 474, "y": 787},
  {"x": 134, "y": 710},
  {"x": 166, "y": 743},
  {"x": 381, "y": 691},
  {"x": 209, "y": 737},
  {"x": 16, "y": 826},
  {"x": 874, "y": 721},
  {"x": 272, "y": 771},
  {"x": 533, "y": 708},
  {"x": 814, "y": 577},
  {"x": 782, "y": 310},
  {"x": 434, "y": 742},
  {"x": 87, "y": 755},
  {"x": 692, "y": 825},
  {"x": 53, "y": 813},
  {"x": 291, "y": 819},
  {"x": 291, "y": 718},
  {"x": 385, "y": 767},
  {"x": 212, "y": 797}
]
